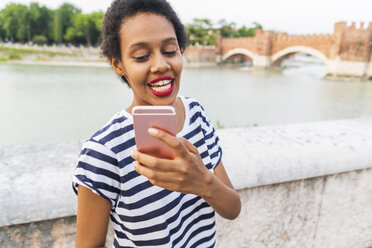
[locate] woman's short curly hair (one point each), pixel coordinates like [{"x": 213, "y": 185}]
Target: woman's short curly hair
[{"x": 121, "y": 10}]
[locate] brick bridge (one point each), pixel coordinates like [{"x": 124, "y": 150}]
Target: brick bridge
[{"x": 345, "y": 52}]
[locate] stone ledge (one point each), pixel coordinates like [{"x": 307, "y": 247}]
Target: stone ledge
[
  {"x": 274, "y": 154},
  {"x": 302, "y": 213},
  {"x": 36, "y": 179},
  {"x": 36, "y": 182}
]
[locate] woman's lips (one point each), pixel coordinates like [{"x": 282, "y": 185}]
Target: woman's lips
[{"x": 162, "y": 86}]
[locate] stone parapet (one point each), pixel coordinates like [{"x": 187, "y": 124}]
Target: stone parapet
[
  {"x": 295, "y": 182},
  {"x": 329, "y": 211},
  {"x": 350, "y": 44}
]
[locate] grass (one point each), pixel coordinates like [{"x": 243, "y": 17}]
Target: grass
[
  {"x": 219, "y": 125},
  {"x": 14, "y": 55},
  {"x": 10, "y": 53}
]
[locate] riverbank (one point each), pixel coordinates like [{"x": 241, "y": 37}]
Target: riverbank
[
  {"x": 61, "y": 63},
  {"x": 62, "y": 56},
  {"x": 52, "y": 55},
  {"x": 91, "y": 57}
]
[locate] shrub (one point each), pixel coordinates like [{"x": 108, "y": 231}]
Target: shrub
[
  {"x": 39, "y": 39},
  {"x": 14, "y": 55}
]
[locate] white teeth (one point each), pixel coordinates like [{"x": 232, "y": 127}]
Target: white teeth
[
  {"x": 161, "y": 85},
  {"x": 162, "y": 88}
]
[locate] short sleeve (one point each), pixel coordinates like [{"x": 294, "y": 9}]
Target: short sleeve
[
  {"x": 211, "y": 139},
  {"x": 97, "y": 169}
]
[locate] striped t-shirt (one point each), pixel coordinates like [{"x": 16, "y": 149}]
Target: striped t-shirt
[{"x": 144, "y": 215}]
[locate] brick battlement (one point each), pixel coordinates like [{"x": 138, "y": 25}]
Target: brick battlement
[
  {"x": 349, "y": 43},
  {"x": 357, "y": 26}
]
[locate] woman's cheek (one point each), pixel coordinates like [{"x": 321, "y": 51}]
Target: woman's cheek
[{"x": 178, "y": 62}]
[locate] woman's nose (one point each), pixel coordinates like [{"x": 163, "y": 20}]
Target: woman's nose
[{"x": 160, "y": 64}]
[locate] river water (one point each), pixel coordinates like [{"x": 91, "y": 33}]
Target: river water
[{"x": 46, "y": 104}]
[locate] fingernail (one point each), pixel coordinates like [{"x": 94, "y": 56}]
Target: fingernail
[{"x": 152, "y": 130}]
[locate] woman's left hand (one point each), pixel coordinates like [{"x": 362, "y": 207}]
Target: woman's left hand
[{"x": 186, "y": 173}]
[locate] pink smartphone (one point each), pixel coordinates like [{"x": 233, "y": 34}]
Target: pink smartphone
[{"x": 160, "y": 117}]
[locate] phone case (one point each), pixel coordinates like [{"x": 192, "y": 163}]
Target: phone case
[{"x": 160, "y": 117}]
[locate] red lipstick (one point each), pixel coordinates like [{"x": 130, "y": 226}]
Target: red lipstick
[{"x": 162, "y": 86}]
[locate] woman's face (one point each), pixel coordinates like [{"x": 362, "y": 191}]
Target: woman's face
[{"x": 151, "y": 59}]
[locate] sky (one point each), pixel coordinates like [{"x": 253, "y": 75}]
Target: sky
[{"x": 291, "y": 16}]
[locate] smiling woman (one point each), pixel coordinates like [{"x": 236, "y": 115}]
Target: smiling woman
[
  {"x": 149, "y": 58},
  {"x": 151, "y": 201}
]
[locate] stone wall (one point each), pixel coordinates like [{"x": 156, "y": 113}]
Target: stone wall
[
  {"x": 321, "y": 42},
  {"x": 355, "y": 42},
  {"x": 347, "y": 42},
  {"x": 346, "y": 52},
  {"x": 301, "y": 185},
  {"x": 331, "y": 211},
  {"x": 200, "y": 54}
]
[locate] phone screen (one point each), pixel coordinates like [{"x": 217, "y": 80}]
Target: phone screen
[{"x": 160, "y": 117}]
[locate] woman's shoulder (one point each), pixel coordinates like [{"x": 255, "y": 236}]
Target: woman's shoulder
[
  {"x": 119, "y": 124},
  {"x": 191, "y": 103},
  {"x": 195, "y": 112}
]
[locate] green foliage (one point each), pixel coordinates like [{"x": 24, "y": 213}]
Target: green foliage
[
  {"x": 63, "y": 20},
  {"x": 2, "y": 30},
  {"x": 40, "y": 19},
  {"x": 85, "y": 28},
  {"x": 246, "y": 32},
  {"x": 14, "y": 55},
  {"x": 257, "y": 25},
  {"x": 227, "y": 30},
  {"x": 15, "y": 21},
  {"x": 36, "y": 23},
  {"x": 219, "y": 125},
  {"x": 202, "y": 31},
  {"x": 39, "y": 39}
]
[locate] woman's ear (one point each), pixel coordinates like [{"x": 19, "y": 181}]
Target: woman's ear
[{"x": 118, "y": 66}]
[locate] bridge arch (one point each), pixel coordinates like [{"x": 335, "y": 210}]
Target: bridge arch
[
  {"x": 239, "y": 51},
  {"x": 278, "y": 57}
]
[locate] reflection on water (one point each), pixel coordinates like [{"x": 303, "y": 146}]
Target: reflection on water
[
  {"x": 303, "y": 64},
  {"x": 41, "y": 104}
]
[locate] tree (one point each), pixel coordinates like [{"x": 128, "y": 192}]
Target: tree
[
  {"x": 201, "y": 31},
  {"x": 62, "y": 20},
  {"x": 40, "y": 19},
  {"x": 246, "y": 32},
  {"x": 85, "y": 29},
  {"x": 21, "y": 23},
  {"x": 16, "y": 22},
  {"x": 257, "y": 25},
  {"x": 2, "y": 30},
  {"x": 96, "y": 18},
  {"x": 227, "y": 30}
]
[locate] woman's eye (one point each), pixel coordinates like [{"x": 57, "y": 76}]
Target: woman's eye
[
  {"x": 170, "y": 53},
  {"x": 141, "y": 58}
]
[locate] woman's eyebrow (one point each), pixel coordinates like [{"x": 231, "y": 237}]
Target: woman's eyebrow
[
  {"x": 169, "y": 39},
  {"x": 139, "y": 44},
  {"x": 145, "y": 44}
]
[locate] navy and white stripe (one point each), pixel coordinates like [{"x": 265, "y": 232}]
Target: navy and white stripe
[{"x": 144, "y": 215}]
